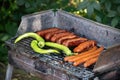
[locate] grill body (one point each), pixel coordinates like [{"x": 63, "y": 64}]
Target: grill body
[{"x": 52, "y": 67}]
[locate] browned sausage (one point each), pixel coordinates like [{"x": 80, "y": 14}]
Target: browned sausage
[
  {"x": 74, "y": 42},
  {"x": 77, "y": 57},
  {"x": 59, "y": 35},
  {"x": 45, "y": 31},
  {"x": 88, "y": 56},
  {"x": 71, "y": 36},
  {"x": 49, "y": 35},
  {"x": 69, "y": 57},
  {"x": 90, "y": 62},
  {"x": 85, "y": 45}
]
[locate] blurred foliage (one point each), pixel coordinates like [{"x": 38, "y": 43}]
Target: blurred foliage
[{"x": 103, "y": 11}]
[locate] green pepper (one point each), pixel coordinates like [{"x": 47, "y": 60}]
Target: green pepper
[
  {"x": 35, "y": 48},
  {"x": 65, "y": 49},
  {"x": 41, "y": 42}
]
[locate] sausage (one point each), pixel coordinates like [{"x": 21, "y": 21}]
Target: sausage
[
  {"x": 49, "y": 35},
  {"x": 82, "y": 60},
  {"x": 69, "y": 57},
  {"x": 74, "y": 42},
  {"x": 88, "y": 56},
  {"x": 82, "y": 54},
  {"x": 70, "y": 36},
  {"x": 45, "y": 31},
  {"x": 91, "y": 53},
  {"x": 85, "y": 59},
  {"x": 90, "y": 62},
  {"x": 59, "y": 35},
  {"x": 85, "y": 45}
]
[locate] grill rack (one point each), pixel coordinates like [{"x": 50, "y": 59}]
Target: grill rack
[{"x": 53, "y": 60}]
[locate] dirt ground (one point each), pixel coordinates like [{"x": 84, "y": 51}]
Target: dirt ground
[{"x": 17, "y": 74}]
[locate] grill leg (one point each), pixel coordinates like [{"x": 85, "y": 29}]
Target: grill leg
[{"x": 9, "y": 72}]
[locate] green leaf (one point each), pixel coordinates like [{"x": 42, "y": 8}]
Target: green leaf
[
  {"x": 4, "y": 37},
  {"x": 11, "y": 28},
  {"x": 27, "y": 5},
  {"x": 99, "y": 13},
  {"x": 116, "y": 1},
  {"x": 108, "y": 5},
  {"x": 105, "y": 20},
  {"x": 1, "y": 28},
  {"x": 111, "y": 13},
  {"x": 96, "y": 5},
  {"x": 118, "y": 9},
  {"x": 102, "y": 1},
  {"x": 2, "y": 47},
  {"x": 114, "y": 21},
  {"x": 83, "y": 4},
  {"x": 20, "y": 2},
  {"x": 98, "y": 19},
  {"x": 90, "y": 10}
]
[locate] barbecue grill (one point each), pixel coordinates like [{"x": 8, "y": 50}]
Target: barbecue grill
[{"x": 52, "y": 67}]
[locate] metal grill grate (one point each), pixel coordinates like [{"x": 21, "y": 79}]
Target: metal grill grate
[{"x": 55, "y": 61}]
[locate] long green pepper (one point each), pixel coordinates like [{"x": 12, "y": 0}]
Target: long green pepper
[
  {"x": 35, "y": 48},
  {"x": 41, "y": 42},
  {"x": 65, "y": 49}
]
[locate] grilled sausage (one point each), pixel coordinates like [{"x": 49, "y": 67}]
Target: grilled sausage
[
  {"x": 45, "y": 31},
  {"x": 77, "y": 57},
  {"x": 55, "y": 37},
  {"x": 69, "y": 57},
  {"x": 73, "y": 42},
  {"x": 90, "y": 62},
  {"x": 88, "y": 56},
  {"x": 85, "y": 45},
  {"x": 91, "y": 53},
  {"x": 70, "y": 36},
  {"x": 49, "y": 35}
]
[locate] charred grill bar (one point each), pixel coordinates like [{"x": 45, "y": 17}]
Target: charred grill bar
[{"x": 52, "y": 67}]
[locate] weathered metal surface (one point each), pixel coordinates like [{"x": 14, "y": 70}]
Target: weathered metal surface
[
  {"x": 18, "y": 61},
  {"x": 36, "y": 21},
  {"x": 9, "y": 72},
  {"x": 112, "y": 75},
  {"x": 108, "y": 60},
  {"x": 103, "y": 34}
]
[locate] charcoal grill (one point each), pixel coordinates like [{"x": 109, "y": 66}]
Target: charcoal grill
[{"x": 52, "y": 67}]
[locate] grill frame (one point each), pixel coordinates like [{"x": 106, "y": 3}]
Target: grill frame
[{"x": 62, "y": 19}]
